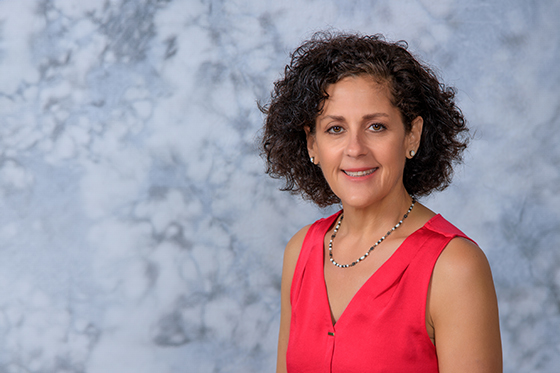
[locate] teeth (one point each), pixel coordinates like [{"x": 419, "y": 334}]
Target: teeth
[{"x": 360, "y": 173}]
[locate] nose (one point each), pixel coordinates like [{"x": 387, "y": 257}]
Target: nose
[{"x": 356, "y": 146}]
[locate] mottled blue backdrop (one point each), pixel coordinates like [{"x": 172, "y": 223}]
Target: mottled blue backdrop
[{"x": 138, "y": 233}]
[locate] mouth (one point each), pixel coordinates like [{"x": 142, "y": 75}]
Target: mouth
[{"x": 360, "y": 173}]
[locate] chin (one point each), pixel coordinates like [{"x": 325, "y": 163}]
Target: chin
[{"x": 357, "y": 202}]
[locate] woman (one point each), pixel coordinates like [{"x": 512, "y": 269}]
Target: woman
[{"x": 384, "y": 285}]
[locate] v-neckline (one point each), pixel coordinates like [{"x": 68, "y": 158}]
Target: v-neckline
[{"x": 393, "y": 258}]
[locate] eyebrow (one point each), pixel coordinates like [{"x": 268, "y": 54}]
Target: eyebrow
[
  {"x": 376, "y": 115},
  {"x": 365, "y": 117}
]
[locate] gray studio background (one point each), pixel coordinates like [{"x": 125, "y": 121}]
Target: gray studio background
[{"x": 138, "y": 233}]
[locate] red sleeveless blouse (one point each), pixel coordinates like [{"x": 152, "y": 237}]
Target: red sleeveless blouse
[{"x": 383, "y": 328}]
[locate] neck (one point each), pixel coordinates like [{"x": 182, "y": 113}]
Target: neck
[{"x": 377, "y": 217}]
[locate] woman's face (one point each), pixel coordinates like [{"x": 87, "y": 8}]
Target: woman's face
[{"x": 360, "y": 142}]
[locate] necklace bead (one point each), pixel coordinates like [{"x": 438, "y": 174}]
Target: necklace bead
[{"x": 371, "y": 248}]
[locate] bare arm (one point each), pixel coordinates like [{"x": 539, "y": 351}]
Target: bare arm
[
  {"x": 463, "y": 309},
  {"x": 291, "y": 255}
]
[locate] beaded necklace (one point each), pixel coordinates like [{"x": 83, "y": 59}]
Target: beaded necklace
[{"x": 371, "y": 248}]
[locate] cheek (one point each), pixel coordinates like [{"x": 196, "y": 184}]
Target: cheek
[
  {"x": 395, "y": 158},
  {"x": 327, "y": 151}
]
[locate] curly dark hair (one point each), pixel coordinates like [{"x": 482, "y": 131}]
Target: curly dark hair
[{"x": 298, "y": 98}]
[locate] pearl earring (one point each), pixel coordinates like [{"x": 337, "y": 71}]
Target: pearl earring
[
  {"x": 412, "y": 153},
  {"x": 312, "y": 159}
]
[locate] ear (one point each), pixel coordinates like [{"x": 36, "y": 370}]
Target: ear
[
  {"x": 311, "y": 144},
  {"x": 414, "y": 136}
]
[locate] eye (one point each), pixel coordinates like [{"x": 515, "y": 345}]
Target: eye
[
  {"x": 335, "y": 129},
  {"x": 377, "y": 127}
]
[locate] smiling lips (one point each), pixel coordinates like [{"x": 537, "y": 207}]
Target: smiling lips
[{"x": 360, "y": 173}]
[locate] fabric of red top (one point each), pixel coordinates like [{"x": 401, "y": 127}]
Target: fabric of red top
[{"x": 383, "y": 328}]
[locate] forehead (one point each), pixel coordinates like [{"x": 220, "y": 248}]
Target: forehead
[{"x": 355, "y": 92}]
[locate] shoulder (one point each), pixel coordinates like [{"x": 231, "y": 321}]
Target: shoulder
[
  {"x": 442, "y": 226},
  {"x": 315, "y": 231},
  {"x": 461, "y": 281},
  {"x": 461, "y": 260},
  {"x": 293, "y": 249},
  {"x": 291, "y": 255}
]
